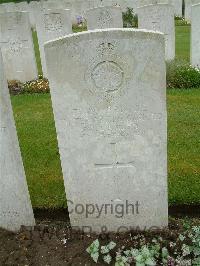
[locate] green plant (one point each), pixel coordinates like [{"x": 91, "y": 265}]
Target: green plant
[
  {"x": 185, "y": 251},
  {"x": 180, "y": 21},
  {"x": 95, "y": 250},
  {"x": 129, "y": 18},
  {"x": 181, "y": 75},
  {"x": 36, "y": 86},
  {"x": 195, "y": 247}
]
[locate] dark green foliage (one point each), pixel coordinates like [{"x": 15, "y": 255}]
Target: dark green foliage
[
  {"x": 130, "y": 19},
  {"x": 180, "y": 21},
  {"x": 181, "y": 75}
]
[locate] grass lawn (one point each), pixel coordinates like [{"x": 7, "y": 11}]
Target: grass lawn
[
  {"x": 37, "y": 52},
  {"x": 36, "y": 130},
  {"x": 183, "y": 42}
]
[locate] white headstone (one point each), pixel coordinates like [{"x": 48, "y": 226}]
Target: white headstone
[
  {"x": 50, "y": 25},
  {"x": 159, "y": 17},
  {"x": 56, "y": 4},
  {"x": 188, "y": 6},
  {"x": 2, "y": 9},
  {"x": 33, "y": 8},
  {"x": 22, "y": 6},
  {"x": 151, "y": 2},
  {"x": 195, "y": 36},
  {"x": 17, "y": 46},
  {"x": 15, "y": 205},
  {"x": 108, "y": 92},
  {"x": 104, "y": 17},
  {"x": 10, "y": 7},
  {"x": 178, "y": 5}
]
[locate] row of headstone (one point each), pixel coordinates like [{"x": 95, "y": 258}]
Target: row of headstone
[
  {"x": 79, "y": 7},
  {"x": 156, "y": 17},
  {"x": 112, "y": 132},
  {"x": 17, "y": 43}
]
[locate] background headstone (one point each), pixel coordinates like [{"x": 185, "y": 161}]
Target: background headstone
[
  {"x": 178, "y": 6},
  {"x": 195, "y": 36},
  {"x": 15, "y": 205},
  {"x": 17, "y": 46},
  {"x": 2, "y": 9},
  {"x": 188, "y": 6},
  {"x": 159, "y": 17},
  {"x": 50, "y": 25},
  {"x": 10, "y": 7},
  {"x": 104, "y": 17},
  {"x": 33, "y": 8},
  {"x": 108, "y": 93}
]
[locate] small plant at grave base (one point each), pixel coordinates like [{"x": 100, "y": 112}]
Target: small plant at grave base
[
  {"x": 180, "y": 21},
  {"x": 40, "y": 85},
  {"x": 15, "y": 86},
  {"x": 95, "y": 249},
  {"x": 184, "y": 251},
  {"x": 129, "y": 18},
  {"x": 181, "y": 75}
]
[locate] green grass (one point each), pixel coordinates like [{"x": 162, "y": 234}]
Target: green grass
[
  {"x": 37, "y": 136},
  {"x": 183, "y": 42},
  {"x": 184, "y": 146},
  {"x": 37, "y": 53}
]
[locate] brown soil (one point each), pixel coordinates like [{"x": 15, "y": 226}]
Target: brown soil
[{"x": 43, "y": 245}]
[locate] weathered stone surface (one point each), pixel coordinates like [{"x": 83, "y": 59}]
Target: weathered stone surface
[
  {"x": 15, "y": 206},
  {"x": 108, "y": 93},
  {"x": 33, "y": 8},
  {"x": 2, "y": 9},
  {"x": 56, "y": 4},
  {"x": 79, "y": 7},
  {"x": 17, "y": 46},
  {"x": 104, "y": 17},
  {"x": 195, "y": 36},
  {"x": 159, "y": 17},
  {"x": 22, "y": 6},
  {"x": 52, "y": 24},
  {"x": 151, "y": 2},
  {"x": 188, "y": 8},
  {"x": 178, "y": 5},
  {"x": 10, "y": 7}
]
